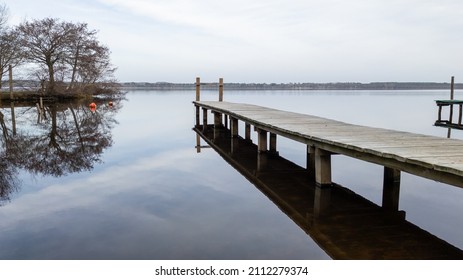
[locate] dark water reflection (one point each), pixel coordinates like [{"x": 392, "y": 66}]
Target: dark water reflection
[
  {"x": 52, "y": 139},
  {"x": 129, "y": 183},
  {"x": 354, "y": 228}
]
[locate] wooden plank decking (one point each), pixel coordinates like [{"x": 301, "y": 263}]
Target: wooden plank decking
[{"x": 436, "y": 158}]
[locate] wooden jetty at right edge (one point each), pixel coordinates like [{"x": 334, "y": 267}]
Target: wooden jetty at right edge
[{"x": 435, "y": 158}]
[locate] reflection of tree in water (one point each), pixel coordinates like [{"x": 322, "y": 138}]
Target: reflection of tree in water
[
  {"x": 68, "y": 138},
  {"x": 8, "y": 180}
]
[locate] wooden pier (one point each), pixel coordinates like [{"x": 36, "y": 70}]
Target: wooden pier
[
  {"x": 435, "y": 158},
  {"x": 355, "y": 228}
]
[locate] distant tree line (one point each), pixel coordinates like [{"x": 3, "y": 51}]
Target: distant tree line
[
  {"x": 295, "y": 86},
  {"x": 65, "y": 58}
]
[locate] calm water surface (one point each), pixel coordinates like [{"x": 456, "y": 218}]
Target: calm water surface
[{"x": 126, "y": 181}]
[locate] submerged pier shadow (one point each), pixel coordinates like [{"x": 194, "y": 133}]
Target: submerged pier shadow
[{"x": 355, "y": 227}]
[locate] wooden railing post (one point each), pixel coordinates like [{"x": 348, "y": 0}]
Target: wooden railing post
[
  {"x": 198, "y": 88},
  {"x": 221, "y": 89},
  {"x": 452, "y": 87}
]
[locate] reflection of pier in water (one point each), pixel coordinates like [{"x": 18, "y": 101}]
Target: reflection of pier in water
[{"x": 355, "y": 227}]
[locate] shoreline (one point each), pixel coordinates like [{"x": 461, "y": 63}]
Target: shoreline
[{"x": 293, "y": 86}]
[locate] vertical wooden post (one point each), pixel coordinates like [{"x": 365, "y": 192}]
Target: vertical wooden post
[
  {"x": 217, "y": 119},
  {"x": 198, "y": 88},
  {"x": 197, "y": 115},
  {"x": 198, "y": 143},
  {"x": 247, "y": 132},
  {"x": 234, "y": 134},
  {"x": 273, "y": 144},
  {"x": 323, "y": 182},
  {"x": 261, "y": 149},
  {"x": 217, "y": 125},
  {"x": 204, "y": 118},
  {"x": 460, "y": 114},
  {"x": 261, "y": 141},
  {"x": 10, "y": 72},
  {"x": 234, "y": 127},
  {"x": 311, "y": 161},
  {"x": 391, "y": 189},
  {"x": 221, "y": 89},
  {"x": 322, "y": 167},
  {"x": 452, "y": 87},
  {"x": 13, "y": 118},
  {"x": 439, "y": 114}
]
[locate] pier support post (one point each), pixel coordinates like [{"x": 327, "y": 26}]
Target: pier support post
[
  {"x": 247, "y": 132},
  {"x": 261, "y": 141},
  {"x": 261, "y": 149},
  {"x": 217, "y": 124},
  {"x": 391, "y": 189},
  {"x": 273, "y": 144},
  {"x": 204, "y": 119},
  {"x": 311, "y": 161},
  {"x": 460, "y": 114},
  {"x": 197, "y": 115},
  {"x": 217, "y": 120},
  {"x": 323, "y": 182},
  {"x": 234, "y": 127},
  {"x": 322, "y": 167},
  {"x": 234, "y": 134}
]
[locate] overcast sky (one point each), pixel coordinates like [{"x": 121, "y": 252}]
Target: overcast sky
[{"x": 270, "y": 40}]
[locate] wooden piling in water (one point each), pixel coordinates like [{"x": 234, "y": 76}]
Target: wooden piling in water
[
  {"x": 234, "y": 127},
  {"x": 273, "y": 144},
  {"x": 221, "y": 89},
  {"x": 247, "y": 132},
  {"x": 311, "y": 161},
  {"x": 452, "y": 88},
  {"x": 198, "y": 88},
  {"x": 391, "y": 189},
  {"x": 204, "y": 118}
]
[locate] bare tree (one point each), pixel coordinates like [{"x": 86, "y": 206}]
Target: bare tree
[
  {"x": 89, "y": 60},
  {"x": 10, "y": 51},
  {"x": 46, "y": 42},
  {"x": 69, "y": 51},
  {"x": 3, "y": 15}
]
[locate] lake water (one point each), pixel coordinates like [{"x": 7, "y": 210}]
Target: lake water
[{"x": 126, "y": 181}]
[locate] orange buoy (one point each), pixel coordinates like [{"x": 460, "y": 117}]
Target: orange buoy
[
  {"x": 92, "y": 105},
  {"x": 110, "y": 103}
]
